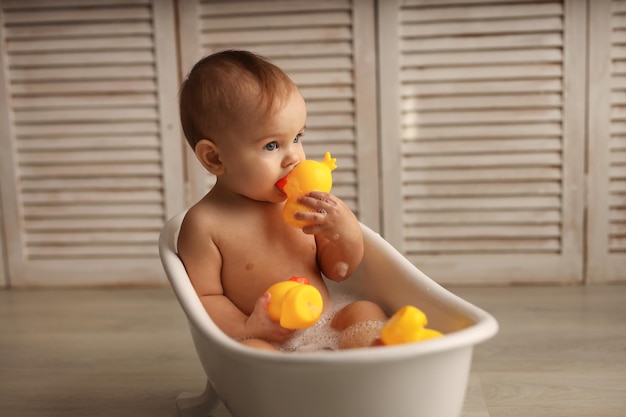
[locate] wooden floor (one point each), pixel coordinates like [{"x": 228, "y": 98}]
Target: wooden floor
[{"x": 561, "y": 351}]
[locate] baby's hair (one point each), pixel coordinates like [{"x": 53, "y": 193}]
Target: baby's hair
[{"x": 220, "y": 86}]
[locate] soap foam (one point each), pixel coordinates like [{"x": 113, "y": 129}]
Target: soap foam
[
  {"x": 361, "y": 334},
  {"x": 320, "y": 336}
]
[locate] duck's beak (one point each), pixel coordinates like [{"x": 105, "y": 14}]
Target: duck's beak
[{"x": 280, "y": 184}]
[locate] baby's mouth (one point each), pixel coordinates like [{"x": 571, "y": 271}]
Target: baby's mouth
[{"x": 280, "y": 184}]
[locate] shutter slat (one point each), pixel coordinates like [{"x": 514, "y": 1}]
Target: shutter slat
[
  {"x": 451, "y": 43},
  {"x": 483, "y": 203},
  {"x": 484, "y": 131},
  {"x": 480, "y": 190},
  {"x": 94, "y": 224},
  {"x": 292, "y": 36},
  {"x": 82, "y": 157},
  {"x": 81, "y": 251},
  {"x": 322, "y": 135},
  {"x": 493, "y": 217},
  {"x": 91, "y": 170},
  {"x": 89, "y": 142},
  {"x": 477, "y": 146},
  {"x": 485, "y": 232},
  {"x": 117, "y": 196},
  {"x": 104, "y": 86},
  {"x": 315, "y": 48},
  {"x": 86, "y": 184},
  {"x": 238, "y": 22},
  {"x": 128, "y": 128},
  {"x": 464, "y": 117},
  {"x": 338, "y": 78},
  {"x": 68, "y": 45},
  {"x": 55, "y": 4},
  {"x": 105, "y": 210},
  {"x": 502, "y": 26},
  {"x": 483, "y": 174},
  {"x": 255, "y": 8},
  {"x": 517, "y": 159},
  {"x": 72, "y": 73},
  {"x": 79, "y": 30},
  {"x": 480, "y": 12},
  {"x": 85, "y": 116},
  {"x": 520, "y": 101},
  {"x": 525, "y": 56},
  {"x": 85, "y": 101},
  {"x": 410, "y": 3},
  {"x": 324, "y": 92},
  {"x": 79, "y": 14},
  {"x": 76, "y": 239},
  {"x": 83, "y": 59},
  {"x": 454, "y": 246},
  {"x": 483, "y": 87},
  {"x": 513, "y": 72}
]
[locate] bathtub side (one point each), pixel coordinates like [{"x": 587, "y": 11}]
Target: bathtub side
[
  {"x": 420, "y": 386},
  {"x": 388, "y": 278}
]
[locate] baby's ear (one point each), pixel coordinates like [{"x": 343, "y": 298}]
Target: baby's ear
[{"x": 208, "y": 154}]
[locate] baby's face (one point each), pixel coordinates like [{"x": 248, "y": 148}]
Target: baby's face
[{"x": 263, "y": 149}]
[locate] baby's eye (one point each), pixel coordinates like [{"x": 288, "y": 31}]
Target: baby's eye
[
  {"x": 271, "y": 146},
  {"x": 297, "y": 138}
]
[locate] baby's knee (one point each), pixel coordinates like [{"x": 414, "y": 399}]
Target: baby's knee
[
  {"x": 356, "y": 312},
  {"x": 258, "y": 344}
]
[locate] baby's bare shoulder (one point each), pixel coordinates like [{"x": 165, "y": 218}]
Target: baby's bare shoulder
[
  {"x": 199, "y": 224},
  {"x": 198, "y": 250}
]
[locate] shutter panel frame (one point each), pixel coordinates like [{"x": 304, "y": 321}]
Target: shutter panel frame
[
  {"x": 47, "y": 178},
  {"x": 483, "y": 259}
]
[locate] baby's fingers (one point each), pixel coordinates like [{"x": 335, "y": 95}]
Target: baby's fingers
[{"x": 318, "y": 200}]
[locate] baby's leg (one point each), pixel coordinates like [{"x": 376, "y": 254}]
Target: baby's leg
[
  {"x": 258, "y": 344},
  {"x": 359, "y": 324}
]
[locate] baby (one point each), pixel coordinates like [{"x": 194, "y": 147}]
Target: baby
[{"x": 245, "y": 118}]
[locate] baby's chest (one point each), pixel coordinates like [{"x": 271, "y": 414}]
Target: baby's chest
[
  {"x": 250, "y": 266},
  {"x": 245, "y": 253}
]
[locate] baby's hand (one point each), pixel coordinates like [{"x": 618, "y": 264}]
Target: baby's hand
[
  {"x": 260, "y": 325},
  {"x": 331, "y": 219},
  {"x": 337, "y": 234}
]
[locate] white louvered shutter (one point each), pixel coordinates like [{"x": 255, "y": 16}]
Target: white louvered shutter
[
  {"x": 606, "y": 225},
  {"x": 483, "y": 137},
  {"x": 328, "y": 49},
  {"x": 91, "y": 160}
]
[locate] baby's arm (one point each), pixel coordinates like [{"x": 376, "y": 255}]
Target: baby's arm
[
  {"x": 337, "y": 233},
  {"x": 203, "y": 263}
]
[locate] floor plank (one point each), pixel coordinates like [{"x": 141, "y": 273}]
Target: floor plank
[{"x": 561, "y": 351}]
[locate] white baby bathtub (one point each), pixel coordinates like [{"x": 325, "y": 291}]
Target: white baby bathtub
[{"x": 426, "y": 379}]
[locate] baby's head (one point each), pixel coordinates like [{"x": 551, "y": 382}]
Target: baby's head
[{"x": 222, "y": 89}]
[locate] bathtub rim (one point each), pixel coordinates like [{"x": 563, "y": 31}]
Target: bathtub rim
[{"x": 485, "y": 326}]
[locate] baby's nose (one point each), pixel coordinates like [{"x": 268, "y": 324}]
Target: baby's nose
[{"x": 291, "y": 158}]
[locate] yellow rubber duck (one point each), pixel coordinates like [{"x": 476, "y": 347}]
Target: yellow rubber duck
[
  {"x": 295, "y": 304},
  {"x": 407, "y": 325},
  {"x": 307, "y": 176}
]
